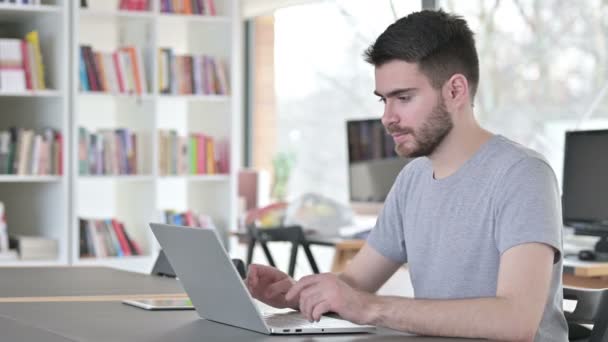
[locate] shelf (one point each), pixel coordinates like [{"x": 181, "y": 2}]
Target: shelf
[
  {"x": 123, "y": 14},
  {"x": 29, "y": 179},
  {"x": 30, "y": 263},
  {"x": 103, "y": 95},
  {"x": 197, "y": 178},
  {"x": 122, "y": 178},
  {"x": 198, "y": 98},
  {"x": 11, "y": 13},
  {"x": 31, "y": 93},
  {"x": 195, "y": 18}
]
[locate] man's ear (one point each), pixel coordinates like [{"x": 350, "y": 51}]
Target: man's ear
[{"x": 455, "y": 92}]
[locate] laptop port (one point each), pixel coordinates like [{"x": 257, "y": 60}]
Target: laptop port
[
  {"x": 298, "y": 330},
  {"x": 285, "y": 330}
]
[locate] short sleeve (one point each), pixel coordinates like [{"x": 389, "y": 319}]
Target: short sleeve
[
  {"x": 387, "y": 237},
  {"x": 528, "y": 207}
]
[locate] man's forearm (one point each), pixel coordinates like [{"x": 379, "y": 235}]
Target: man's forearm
[{"x": 492, "y": 318}]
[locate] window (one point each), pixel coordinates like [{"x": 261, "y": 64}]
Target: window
[
  {"x": 321, "y": 81},
  {"x": 543, "y": 68}
]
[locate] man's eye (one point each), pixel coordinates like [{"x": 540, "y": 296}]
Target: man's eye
[
  {"x": 404, "y": 98},
  {"x": 382, "y": 99}
]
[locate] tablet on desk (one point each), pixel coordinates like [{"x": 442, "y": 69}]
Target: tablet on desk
[{"x": 161, "y": 304}]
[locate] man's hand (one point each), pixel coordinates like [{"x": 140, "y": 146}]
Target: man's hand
[
  {"x": 269, "y": 285},
  {"x": 322, "y": 293}
]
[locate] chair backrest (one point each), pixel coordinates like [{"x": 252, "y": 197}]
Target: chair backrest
[{"x": 591, "y": 308}]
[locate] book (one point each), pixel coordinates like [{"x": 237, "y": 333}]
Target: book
[
  {"x": 133, "y": 5},
  {"x": 30, "y": 152},
  {"x": 12, "y": 70},
  {"x": 100, "y": 238},
  {"x": 33, "y": 38},
  {"x": 192, "y": 74},
  {"x": 34, "y": 247},
  {"x": 3, "y": 229},
  {"x": 108, "y": 152},
  {"x": 123, "y": 71},
  {"x": 196, "y": 153},
  {"x": 187, "y": 218}
]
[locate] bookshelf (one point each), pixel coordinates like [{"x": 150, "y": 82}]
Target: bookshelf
[
  {"x": 140, "y": 198},
  {"x": 39, "y": 205}
]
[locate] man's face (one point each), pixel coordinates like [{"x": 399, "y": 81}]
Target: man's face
[{"x": 414, "y": 112}]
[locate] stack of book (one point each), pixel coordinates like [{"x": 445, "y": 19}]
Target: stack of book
[
  {"x": 108, "y": 152},
  {"x": 187, "y": 218},
  {"x": 21, "y": 64},
  {"x": 195, "y": 154},
  {"x": 35, "y": 247},
  {"x": 134, "y": 5},
  {"x": 120, "y": 72},
  {"x": 105, "y": 238},
  {"x": 192, "y": 74},
  {"x": 27, "y": 152},
  {"x": 198, "y": 7},
  {"x": 20, "y": 2}
]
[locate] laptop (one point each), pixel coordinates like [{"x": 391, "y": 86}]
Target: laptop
[{"x": 219, "y": 294}]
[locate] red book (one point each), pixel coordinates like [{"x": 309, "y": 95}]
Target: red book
[
  {"x": 211, "y": 7},
  {"x": 132, "y": 244},
  {"x": 202, "y": 154},
  {"x": 122, "y": 239},
  {"x": 119, "y": 75},
  {"x": 189, "y": 219},
  {"x": 59, "y": 141},
  {"x": 26, "y": 65}
]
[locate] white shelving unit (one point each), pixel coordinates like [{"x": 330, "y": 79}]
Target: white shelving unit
[
  {"x": 139, "y": 199},
  {"x": 39, "y": 205}
]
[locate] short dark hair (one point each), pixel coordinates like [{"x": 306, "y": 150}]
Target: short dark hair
[{"x": 441, "y": 44}]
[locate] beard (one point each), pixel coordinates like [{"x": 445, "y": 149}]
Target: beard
[{"x": 428, "y": 137}]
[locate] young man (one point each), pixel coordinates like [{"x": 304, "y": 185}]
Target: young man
[{"x": 477, "y": 218}]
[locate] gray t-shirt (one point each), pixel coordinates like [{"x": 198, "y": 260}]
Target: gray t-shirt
[{"x": 452, "y": 231}]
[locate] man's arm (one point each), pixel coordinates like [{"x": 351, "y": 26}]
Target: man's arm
[
  {"x": 513, "y": 315},
  {"x": 523, "y": 287},
  {"x": 368, "y": 270}
]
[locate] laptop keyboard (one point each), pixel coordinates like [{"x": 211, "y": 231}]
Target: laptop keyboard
[{"x": 295, "y": 319}]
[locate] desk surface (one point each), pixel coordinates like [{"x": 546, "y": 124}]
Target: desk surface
[
  {"x": 574, "y": 266},
  {"x": 12, "y": 330},
  {"x": 81, "y": 281},
  {"x": 113, "y": 321}
]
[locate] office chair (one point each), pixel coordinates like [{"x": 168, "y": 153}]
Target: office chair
[
  {"x": 294, "y": 234},
  {"x": 591, "y": 308}
]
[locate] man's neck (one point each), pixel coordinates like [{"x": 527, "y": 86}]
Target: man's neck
[{"x": 459, "y": 145}]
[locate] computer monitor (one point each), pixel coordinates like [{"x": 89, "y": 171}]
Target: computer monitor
[
  {"x": 373, "y": 163},
  {"x": 585, "y": 185}
]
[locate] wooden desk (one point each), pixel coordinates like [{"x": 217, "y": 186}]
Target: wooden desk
[
  {"x": 346, "y": 249},
  {"x": 37, "y": 284},
  {"x": 585, "y": 273}
]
